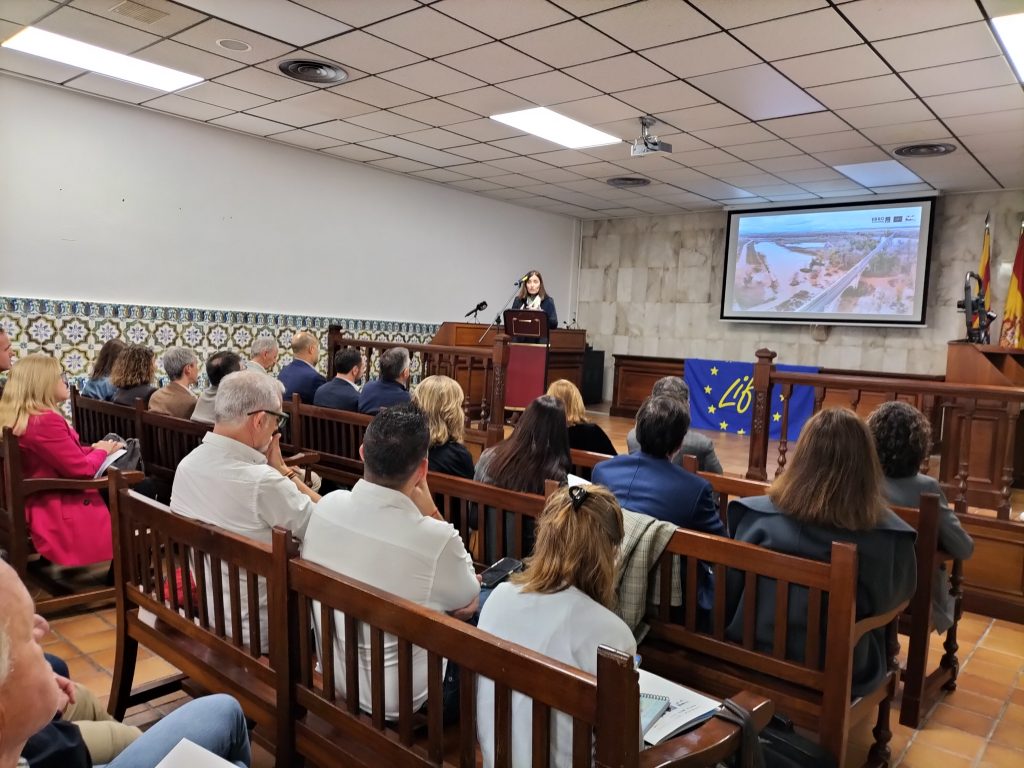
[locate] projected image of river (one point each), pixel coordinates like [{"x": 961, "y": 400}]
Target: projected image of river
[{"x": 784, "y": 266}]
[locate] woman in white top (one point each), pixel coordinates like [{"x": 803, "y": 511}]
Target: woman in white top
[{"x": 559, "y": 606}]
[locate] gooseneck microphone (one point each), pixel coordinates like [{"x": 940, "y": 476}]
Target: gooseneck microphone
[{"x": 478, "y": 308}]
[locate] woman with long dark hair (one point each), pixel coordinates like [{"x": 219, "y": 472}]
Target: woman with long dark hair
[
  {"x": 533, "y": 296},
  {"x": 98, "y": 385}
]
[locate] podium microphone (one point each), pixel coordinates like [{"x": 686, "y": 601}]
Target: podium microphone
[
  {"x": 521, "y": 280},
  {"x": 478, "y": 308}
]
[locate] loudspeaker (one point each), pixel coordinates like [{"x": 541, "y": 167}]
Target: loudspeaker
[{"x": 593, "y": 376}]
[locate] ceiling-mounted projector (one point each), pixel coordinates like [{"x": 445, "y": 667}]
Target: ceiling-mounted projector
[{"x": 647, "y": 143}]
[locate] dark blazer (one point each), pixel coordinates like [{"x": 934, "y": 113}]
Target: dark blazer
[
  {"x": 906, "y": 492},
  {"x": 301, "y": 377},
  {"x": 338, "y": 393},
  {"x": 590, "y": 437},
  {"x": 452, "y": 458},
  {"x": 379, "y": 394},
  {"x": 547, "y": 305},
  {"x": 694, "y": 444},
  {"x": 128, "y": 396},
  {"x": 886, "y": 576}
]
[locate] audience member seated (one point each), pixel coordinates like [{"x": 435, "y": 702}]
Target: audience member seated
[
  {"x": 176, "y": 399},
  {"x": 694, "y": 444},
  {"x": 561, "y": 606},
  {"x": 387, "y": 532},
  {"x": 583, "y": 435},
  {"x": 342, "y": 392},
  {"x": 536, "y": 451},
  {"x": 392, "y": 386},
  {"x": 219, "y": 365},
  {"x": 67, "y": 527},
  {"x": 237, "y": 479},
  {"x": 300, "y": 376},
  {"x": 5, "y": 351},
  {"x": 831, "y": 491},
  {"x": 30, "y": 697},
  {"x": 903, "y": 438},
  {"x": 264, "y": 354},
  {"x": 440, "y": 398},
  {"x": 98, "y": 386},
  {"x": 133, "y": 375}
]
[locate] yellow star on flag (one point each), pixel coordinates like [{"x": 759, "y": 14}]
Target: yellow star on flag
[
  {"x": 707, "y": 390},
  {"x": 723, "y": 424},
  {"x": 776, "y": 417},
  {"x": 741, "y": 432},
  {"x": 711, "y": 409},
  {"x": 714, "y": 371},
  {"x": 782, "y": 398}
]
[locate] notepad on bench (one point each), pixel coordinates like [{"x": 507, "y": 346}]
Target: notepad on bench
[
  {"x": 684, "y": 708},
  {"x": 111, "y": 458}
]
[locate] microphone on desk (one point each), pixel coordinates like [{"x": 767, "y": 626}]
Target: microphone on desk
[{"x": 478, "y": 308}]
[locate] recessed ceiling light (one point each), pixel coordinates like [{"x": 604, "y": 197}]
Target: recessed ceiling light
[
  {"x": 230, "y": 44},
  {"x": 1011, "y": 33},
  {"x": 560, "y": 129},
  {"x": 883, "y": 173},
  {"x": 930, "y": 149},
  {"x": 75, "y": 53}
]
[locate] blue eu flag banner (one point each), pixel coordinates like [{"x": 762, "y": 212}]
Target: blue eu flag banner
[{"x": 722, "y": 398}]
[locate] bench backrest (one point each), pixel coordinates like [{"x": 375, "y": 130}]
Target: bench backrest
[
  {"x": 95, "y": 419},
  {"x": 583, "y": 462},
  {"x": 727, "y": 487},
  {"x": 166, "y": 440},
  {"x": 335, "y": 435}
]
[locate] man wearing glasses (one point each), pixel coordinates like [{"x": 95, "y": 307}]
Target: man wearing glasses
[{"x": 237, "y": 480}]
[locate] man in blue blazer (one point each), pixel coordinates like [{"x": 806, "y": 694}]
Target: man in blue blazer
[
  {"x": 300, "y": 375},
  {"x": 392, "y": 386},
  {"x": 342, "y": 392}
]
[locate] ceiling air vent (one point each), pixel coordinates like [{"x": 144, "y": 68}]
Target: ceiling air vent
[
  {"x": 317, "y": 72},
  {"x": 925, "y": 150},
  {"x": 627, "y": 182},
  {"x": 138, "y": 12}
]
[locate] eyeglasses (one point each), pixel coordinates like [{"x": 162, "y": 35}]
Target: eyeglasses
[{"x": 282, "y": 418}]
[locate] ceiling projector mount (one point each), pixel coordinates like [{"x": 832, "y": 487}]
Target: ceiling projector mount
[{"x": 647, "y": 143}]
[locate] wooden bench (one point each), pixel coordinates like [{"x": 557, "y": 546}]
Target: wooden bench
[
  {"x": 95, "y": 419},
  {"x": 583, "y": 462}
]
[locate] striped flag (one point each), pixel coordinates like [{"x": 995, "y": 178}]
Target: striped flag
[
  {"x": 985, "y": 270},
  {"x": 1012, "y": 334}
]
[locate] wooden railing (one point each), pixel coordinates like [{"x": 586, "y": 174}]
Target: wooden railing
[{"x": 480, "y": 372}]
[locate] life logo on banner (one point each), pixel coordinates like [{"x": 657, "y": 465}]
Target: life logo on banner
[{"x": 722, "y": 398}]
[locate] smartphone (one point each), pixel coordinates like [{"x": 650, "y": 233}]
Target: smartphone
[{"x": 500, "y": 571}]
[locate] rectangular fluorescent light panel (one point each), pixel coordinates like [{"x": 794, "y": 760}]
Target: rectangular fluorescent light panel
[
  {"x": 560, "y": 129},
  {"x": 1011, "y": 32},
  {"x": 75, "y": 53},
  {"x": 884, "y": 173}
]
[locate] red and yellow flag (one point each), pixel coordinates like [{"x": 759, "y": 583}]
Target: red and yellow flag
[
  {"x": 985, "y": 270},
  {"x": 1012, "y": 333}
]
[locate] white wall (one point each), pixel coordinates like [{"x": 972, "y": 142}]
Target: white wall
[{"x": 108, "y": 202}]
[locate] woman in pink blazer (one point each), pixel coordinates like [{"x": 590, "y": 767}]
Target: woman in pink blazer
[{"x": 67, "y": 527}]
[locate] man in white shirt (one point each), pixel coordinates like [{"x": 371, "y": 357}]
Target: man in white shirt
[
  {"x": 264, "y": 354},
  {"x": 237, "y": 480},
  {"x": 387, "y": 532}
]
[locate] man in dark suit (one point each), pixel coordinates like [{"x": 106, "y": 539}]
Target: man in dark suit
[
  {"x": 342, "y": 392},
  {"x": 694, "y": 443},
  {"x": 301, "y": 375},
  {"x": 392, "y": 386}
]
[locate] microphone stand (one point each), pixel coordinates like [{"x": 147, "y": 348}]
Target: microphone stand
[{"x": 497, "y": 317}]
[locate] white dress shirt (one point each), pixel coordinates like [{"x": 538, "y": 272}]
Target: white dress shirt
[
  {"x": 229, "y": 484},
  {"x": 377, "y": 535}
]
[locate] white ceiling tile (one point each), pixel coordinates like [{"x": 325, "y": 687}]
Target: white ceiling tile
[
  {"x": 663, "y": 97},
  {"x": 206, "y": 35},
  {"x": 432, "y": 78},
  {"x": 846, "y": 193},
  {"x": 177, "y": 18},
  {"x": 827, "y": 141},
  {"x": 896, "y": 188},
  {"x": 701, "y": 157},
  {"x": 860, "y": 93},
  {"x": 880, "y": 19},
  {"x": 339, "y": 130},
  {"x": 356, "y": 152},
  {"x": 655, "y": 22},
  {"x": 264, "y": 83},
  {"x": 251, "y": 124},
  {"x": 782, "y": 165},
  {"x": 553, "y": 175},
  {"x": 805, "y": 125},
  {"x": 991, "y": 122},
  {"x": 476, "y": 185},
  {"x": 549, "y": 88},
  {"x": 83, "y": 26},
  {"x": 619, "y": 73},
  {"x": 484, "y": 130},
  {"x": 820, "y": 30},
  {"x": 676, "y": 176},
  {"x": 738, "y": 13},
  {"x": 566, "y": 44},
  {"x": 584, "y": 7},
  {"x": 400, "y": 165},
  {"x": 428, "y": 33},
  {"x": 403, "y": 148},
  {"x": 882, "y": 173},
  {"x": 598, "y": 109},
  {"x": 504, "y": 193},
  {"x": 223, "y": 96},
  {"x": 365, "y": 52},
  {"x": 435, "y": 112},
  {"x": 696, "y": 118},
  {"x": 565, "y": 158},
  {"x": 442, "y": 175},
  {"x": 910, "y": 111},
  {"x": 853, "y": 63},
  {"x": 762, "y": 149},
  {"x": 831, "y": 186},
  {"x": 922, "y": 130},
  {"x": 853, "y": 155},
  {"x": 185, "y": 58},
  {"x": 512, "y": 180},
  {"x": 942, "y": 46},
  {"x": 25, "y": 12},
  {"x": 35, "y": 66},
  {"x": 388, "y": 123},
  {"x": 994, "y": 7},
  {"x": 973, "y": 102},
  {"x": 526, "y": 145},
  {"x": 524, "y": 165},
  {"x": 380, "y": 93},
  {"x": 177, "y": 105},
  {"x": 493, "y": 17},
  {"x": 627, "y": 130},
  {"x": 752, "y": 180},
  {"x": 487, "y": 101},
  {"x": 702, "y": 56},
  {"x": 359, "y": 13},
  {"x": 495, "y": 63},
  {"x": 438, "y": 138},
  {"x": 597, "y": 170},
  {"x": 729, "y": 171},
  {"x": 480, "y": 170},
  {"x": 289, "y": 22},
  {"x": 311, "y": 108},
  {"x": 759, "y": 92},
  {"x": 726, "y": 136},
  {"x": 966, "y": 76},
  {"x": 810, "y": 174},
  {"x": 480, "y": 152},
  {"x": 305, "y": 139},
  {"x": 715, "y": 189},
  {"x": 953, "y": 173},
  {"x": 114, "y": 89}
]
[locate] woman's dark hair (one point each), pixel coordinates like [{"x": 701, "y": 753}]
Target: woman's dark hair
[
  {"x": 536, "y": 451},
  {"x": 903, "y": 438},
  {"x": 133, "y": 367},
  {"x": 106, "y": 358},
  {"x": 523, "y": 293}
]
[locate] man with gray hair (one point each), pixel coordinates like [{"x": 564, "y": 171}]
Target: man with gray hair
[
  {"x": 392, "y": 386},
  {"x": 237, "y": 479},
  {"x": 264, "y": 354},
  {"x": 175, "y": 399},
  {"x": 694, "y": 443}
]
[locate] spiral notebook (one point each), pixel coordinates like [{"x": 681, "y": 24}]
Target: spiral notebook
[{"x": 683, "y": 709}]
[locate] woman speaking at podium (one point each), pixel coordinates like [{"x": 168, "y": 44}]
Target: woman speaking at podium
[{"x": 533, "y": 296}]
